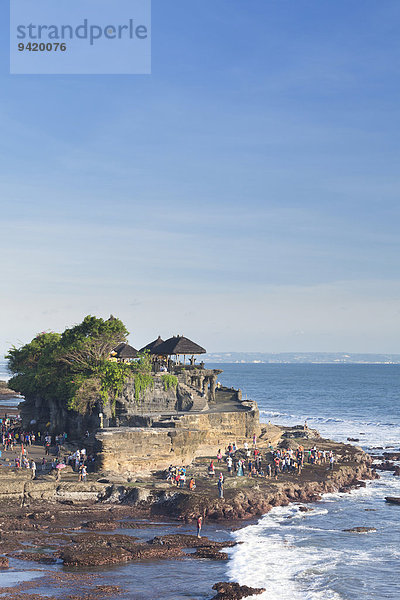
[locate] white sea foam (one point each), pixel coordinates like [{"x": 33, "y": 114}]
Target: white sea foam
[
  {"x": 369, "y": 433},
  {"x": 300, "y": 556},
  {"x": 270, "y": 558}
]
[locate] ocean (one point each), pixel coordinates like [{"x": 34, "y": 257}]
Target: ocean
[
  {"x": 295, "y": 555},
  {"x": 308, "y": 556},
  {"x": 4, "y": 372},
  {"x": 5, "y": 376}
]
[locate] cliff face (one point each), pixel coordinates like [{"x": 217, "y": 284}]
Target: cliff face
[
  {"x": 152, "y": 401},
  {"x": 131, "y": 409},
  {"x": 53, "y": 411},
  {"x": 130, "y": 450},
  {"x": 52, "y": 415}
]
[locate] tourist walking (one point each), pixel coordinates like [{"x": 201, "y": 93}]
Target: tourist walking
[
  {"x": 229, "y": 463},
  {"x": 199, "y": 525}
]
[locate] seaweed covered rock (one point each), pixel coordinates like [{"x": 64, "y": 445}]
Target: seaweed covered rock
[
  {"x": 180, "y": 540},
  {"x": 234, "y": 591},
  {"x": 210, "y": 553}
]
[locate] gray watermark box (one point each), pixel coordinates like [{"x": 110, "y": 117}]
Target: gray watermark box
[{"x": 80, "y": 37}]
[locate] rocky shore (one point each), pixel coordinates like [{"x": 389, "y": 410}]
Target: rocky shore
[
  {"x": 75, "y": 524},
  {"x": 5, "y": 392}
]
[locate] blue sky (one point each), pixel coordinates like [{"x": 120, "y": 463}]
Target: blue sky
[{"x": 246, "y": 194}]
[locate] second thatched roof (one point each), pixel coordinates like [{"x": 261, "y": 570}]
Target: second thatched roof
[
  {"x": 179, "y": 345},
  {"x": 153, "y": 346}
]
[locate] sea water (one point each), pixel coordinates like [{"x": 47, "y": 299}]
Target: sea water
[
  {"x": 4, "y": 372},
  {"x": 309, "y": 556}
]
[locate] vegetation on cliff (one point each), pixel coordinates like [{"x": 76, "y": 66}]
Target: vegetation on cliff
[
  {"x": 74, "y": 366},
  {"x": 169, "y": 381}
]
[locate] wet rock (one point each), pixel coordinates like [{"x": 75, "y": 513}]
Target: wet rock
[
  {"x": 385, "y": 466},
  {"x": 4, "y": 563},
  {"x": 210, "y": 553},
  {"x": 98, "y": 550},
  {"x": 392, "y": 499},
  {"x": 305, "y": 509},
  {"x": 100, "y": 525},
  {"x": 180, "y": 540},
  {"x": 79, "y": 557},
  {"x": 392, "y": 455},
  {"x": 234, "y": 591},
  {"x": 45, "y": 559},
  {"x": 396, "y": 471},
  {"x": 360, "y": 529},
  {"x": 353, "y": 439}
]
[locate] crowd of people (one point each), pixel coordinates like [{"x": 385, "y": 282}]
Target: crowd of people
[
  {"x": 250, "y": 461},
  {"x": 20, "y": 443},
  {"x": 177, "y": 476}
]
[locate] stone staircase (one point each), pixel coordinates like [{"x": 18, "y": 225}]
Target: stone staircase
[
  {"x": 199, "y": 402},
  {"x": 167, "y": 421}
]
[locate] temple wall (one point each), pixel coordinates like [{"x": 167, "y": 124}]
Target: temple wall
[
  {"x": 129, "y": 450},
  {"x": 151, "y": 401}
]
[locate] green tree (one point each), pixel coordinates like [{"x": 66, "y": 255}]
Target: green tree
[
  {"x": 72, "y": 367},
  {"x": 87, "y": 345}
]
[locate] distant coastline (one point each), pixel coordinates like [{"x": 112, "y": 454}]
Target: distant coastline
[
  {"x": 302, "y": 358},
  {"x": 283, "y": 358}
]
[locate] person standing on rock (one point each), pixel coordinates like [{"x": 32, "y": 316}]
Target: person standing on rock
[
  {"x": 221, "y": 486},
  {"x": 33, "y": 468},
  {"x": 199, "y": 525},
  {"x": 211, "y": 469},
  {"x": 229, "y": 463},
  {"x": 276, "y": 466}
]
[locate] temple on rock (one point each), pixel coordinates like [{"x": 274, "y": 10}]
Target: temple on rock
[{"x": 167, "y": 415}]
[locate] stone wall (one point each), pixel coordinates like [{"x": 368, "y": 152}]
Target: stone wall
[
  {"x": 156, "y": 400},
  {"x": 130, "y": 450}
]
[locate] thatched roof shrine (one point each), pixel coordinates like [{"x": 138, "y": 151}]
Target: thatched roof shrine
[
  {"x": 153, "y": 346},
  {"x": 179, "y": 345},
  {"x": 124, "y": 351}
]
